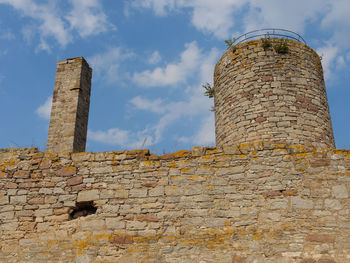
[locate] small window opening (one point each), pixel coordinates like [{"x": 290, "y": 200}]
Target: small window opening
[{"x": 83, "y": 209}]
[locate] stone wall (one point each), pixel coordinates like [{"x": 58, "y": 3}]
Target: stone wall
[
  {"x": 70, "y": 106},
  {"x": 264, "y": 95},
  {"x": 240, "y": 204}
]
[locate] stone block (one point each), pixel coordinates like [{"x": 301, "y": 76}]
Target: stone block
[
  {"x": 9, "y": 226},
  {"x": 172, "y": 191},
  {"x": 121, "y": 193},
  {"x": 57, "y": 218},
  {"x": 300, "y": 203},
  {"x": 320, "y": 238},
  {"x": 101, "y": 170},
  {"x": 88, "y": 195},
  {"x": 280, "y": 204},
  {"x": 36, "y": 200},
  {"x": 93, "y": 224},
  {"x": 111, "y": 208},
  {"x": 333, "y": 204},
  {"x": 75, "y": 180},
  {"x": 217, "y": 222},
  {"x": 138, "y": 193},
  {"x": 4, "y": 200},
  {"x": 43, "y": 212},
  {"x": 16, "y": 200},
  {"x": 135, "y": 225},
  {"x": 50, "y": 199},
  {"x": 67, "y": 171},
  {"x": 7, "y": 215},
  {"x": 340, "y": 191},
  {"x": 24, "y": 213},
  {"x": 157, "y": 191},
  {"x": 62, "y": 210},
  {"x": 5, "y": 208},
  {"x": 115, "y": 223},
  {"x": 106, "y": 194}
]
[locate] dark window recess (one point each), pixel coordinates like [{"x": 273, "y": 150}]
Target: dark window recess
[{"x": 83, "y": 209}]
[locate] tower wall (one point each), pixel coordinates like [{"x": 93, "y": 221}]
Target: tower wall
[
  {"x": 261, "y": 95},
  {"x": 70, "y": 106}
]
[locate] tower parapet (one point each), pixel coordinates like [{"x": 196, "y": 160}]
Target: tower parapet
[
  {"x": 262, "y": 94},
  {"x": 70, "y": 106}
]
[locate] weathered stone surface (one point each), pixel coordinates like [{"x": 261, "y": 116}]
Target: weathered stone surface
[
  {"x": 333, "y": 204},
  {"x": 321, "y": 238},
  {"x": 21, "y": 199},
  {"x": 66, "y": 171},
  {"x": 114, "y": 223},
  {"x": 70, "y": 107},
  {"x": 262, "y": 95},
  {"x": 301, "y": 203},
  {"x": 88, "y": 195},
  {"x": 75, "y": 180},
  {"x": 340, "y": 191},
  {"x": 247, "y": 203}
]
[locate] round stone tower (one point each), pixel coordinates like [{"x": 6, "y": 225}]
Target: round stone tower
[{"x": 267, "y": 92}]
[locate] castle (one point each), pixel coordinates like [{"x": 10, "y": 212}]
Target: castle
[{"x": 274, "y": 189}]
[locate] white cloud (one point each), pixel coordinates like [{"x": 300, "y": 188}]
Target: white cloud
[
  {"x": 44, "y": 110},
  {"x": 194, "y": 104},
  {"x": 7, "y": 35},
  {"x": 154, "y": 58},
  {"x": 173, "y": 73},
  {"x": 86, "y": 17},
  {"x": 337, "y": 20},
  {"x": 51, "y": 24},
  {"x": 291, "y": 15},
  {"x": 224, "y": 19},
  {"x": 220, "y": 17},
  {"x": 206, "y": 133},
  {"x": 1, "y": 79},
  {"x": 123, "y": 138},
  {"x": 216, "y": 17},
  {"x": 160, "y": 7},
  {"x": 106, "y": 64},
  {"x": 155, "y": 106},
  {"x": 328, "y": 54}
]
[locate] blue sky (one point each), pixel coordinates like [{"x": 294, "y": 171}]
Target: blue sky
[{"x": 149, "y": 60}]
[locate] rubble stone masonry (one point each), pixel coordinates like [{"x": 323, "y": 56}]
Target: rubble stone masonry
[
  {"x": 251, "y": 203},
  {"x": 70, "y": 106},
  {"x": 264, "y": 95}
]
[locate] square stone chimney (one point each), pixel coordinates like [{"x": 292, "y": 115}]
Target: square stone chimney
[{"x": 70, "y": 106}]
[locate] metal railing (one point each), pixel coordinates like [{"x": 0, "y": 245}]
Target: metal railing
[{"x": 267, "y": 33}]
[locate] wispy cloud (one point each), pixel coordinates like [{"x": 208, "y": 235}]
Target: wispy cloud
[
  {"x": 106, "y": 64},
  {"x": 6, "y": 35},
  {"x": 155, "y": 106},
  {"x": 154, "y": 58},
  {"x": 44, "y": 110},
  {"x": 227, "y": 18},
  {"x": 173, "y": 73},
  {"x": 206, "y": 132},
  {"x": 85, "y": 16},
  {"x": 215, "y": 17},
  {"x": 124, "y": 138},
  {"x": 328, "y": 54},
  {"x": 1, "y": 80},
  {"x": 193, "y": 105}
]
